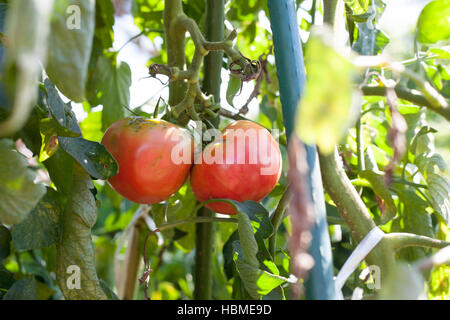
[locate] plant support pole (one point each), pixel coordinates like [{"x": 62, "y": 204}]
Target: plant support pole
[{"x": 291, "y": 77}]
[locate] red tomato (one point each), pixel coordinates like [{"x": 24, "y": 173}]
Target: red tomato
[
  {"x": 149, "y": 172},
  {"x": 243, "y": 164}
]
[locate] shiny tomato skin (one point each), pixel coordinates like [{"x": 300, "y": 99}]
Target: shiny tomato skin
[
  {"x": 238, "y": 177},
  {"x": 142, "y": 149}
]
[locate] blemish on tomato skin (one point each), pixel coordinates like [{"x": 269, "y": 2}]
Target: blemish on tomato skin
[{"x": 155, "y": 162}]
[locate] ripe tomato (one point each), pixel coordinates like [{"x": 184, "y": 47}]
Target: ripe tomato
[
  {"x": 147, "y": 153},
  {"x": 243, "y": 164}
]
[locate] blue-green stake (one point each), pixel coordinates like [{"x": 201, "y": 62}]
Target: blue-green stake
[{"x": 291, "y": 77}]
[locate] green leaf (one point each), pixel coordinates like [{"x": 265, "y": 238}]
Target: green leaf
[
  {"x": 247, "y": 240},
  {"x": 27, "y": 28},
  {"x": 60, "y": 168},
  {"x": 70, "y": 44},
  {"x": 49, "y": 136},
  {"x": 423, "y": 131},
  {"x": 113, "y": 83},
  {"x": 439, "y": 190},
  {"x": 416, "y": 220},
  {"x": 62, "y": 114},
  {"x": 370, "y": 42},
  {"x": 18, "y": 193},
  {"x": 148, "y": 14},
  {"x": 75, "y": 248},
  {"x": 358, "y": 6},
  {"x": 5, "y": 238},
  {"x": 427, "y": 162},
  {"x": 269, "y": 111},
  {"x": 6, "y": 278},
  {"x": 104, "y": 21},
  {"x": 257, "y": 282},
  {"x": 24, "y": 289},
  {"x": 92, "y": 126},
  {"x": 325, "y": 111},
  {"x": 43, "y": 292},
  {"x": 108, "y": 291},
  {"x": 388, "y": 209},
  {"x": 261, "y": 227},
  {"x": 91, "y": 155},
  {"x": 439, "y": 284},
  {"x": 234, "y": 85},
  {"x": 433, "y": 24},
  {"x": 258, "y": 216},
  {"x": 42, "y": 227},
  {"x": 184, "y": 204}
]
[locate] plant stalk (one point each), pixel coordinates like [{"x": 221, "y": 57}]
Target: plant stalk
[
  {"x": 175, "y": 42},
  {"x": 211, "y": 85}
]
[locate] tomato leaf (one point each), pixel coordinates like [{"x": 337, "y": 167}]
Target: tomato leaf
[
  {"x": 247, "y": 240},
  {"x": 269, "y": 111},
  {"x": 60, "y": 168},
  {"x": 70, "y": 44},
  {"x": 108, "y": 291},
  {"x": 75, "y": 249},
  {"x": 113, "y": 83},
  {"x": 23, "y": 289},
  {"x": 6, "y": 279},
  {"x": 27, "y": 28},
  {"x": 49, "y": 136},
  {"x": 18, "y": 193},
  {"x": 5, "y": 238},
  {"x": 256, "y": 281},
  {"x": 234, "y": 85},
  {"x": 262, "y": 228},
  {"x": 325, "y": 112},
  {"x": 433, "y": 25},
  {"x": 42, "y": 227},
  {"x": 358, "y": 6},
  {"x": 64, "y": 118},
  {"x": 415, "y": 220},
  {"x": 439, "y": 189},
  {"x": 91, "y": 155},
  {"x": 388, "y": 209},
  {"x": 370, "y": 42}
]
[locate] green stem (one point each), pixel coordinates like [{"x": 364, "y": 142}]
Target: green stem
[
  {"x": 353, "y": 210},
  {"x": 276, "y": 219},
  {"x": 211, "y": 83},
  {"x": 214, "y": 29},
  {"x": 405, "y": 94},
  {"x": 359, "y": 146},
  {"x": 329, "y": 11},
  {"x": 204, "y": 249},
  {"x": 403, "y": 240},
  {"x": 175, "y": 42},
  {"x": 404, "y": 181}
]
